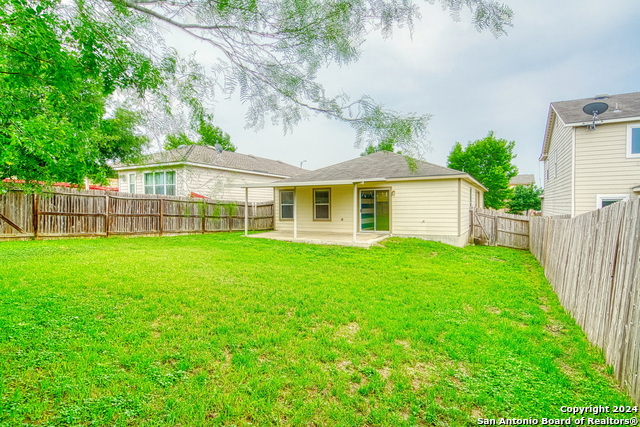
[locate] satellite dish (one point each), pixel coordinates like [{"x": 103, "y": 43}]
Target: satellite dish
[
  {"x": 595, "y": 108},
  {"x": 219, "y": 148}
]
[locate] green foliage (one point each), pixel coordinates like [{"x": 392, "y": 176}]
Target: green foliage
[
  {"x": 56, "y": 72},
  {"x": 109, "y": 333},
  {"x": 209, "y": 135},
  {"x": 61, "y": 62},
  {"x": 489, "y": 161},
  {"x": 525, "y": 197},
  {"x": 383, "y": 146}
]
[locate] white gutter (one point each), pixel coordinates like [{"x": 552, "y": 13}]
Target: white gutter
[
  {"x": 200, "y": 165},
  {"x": 604, "y": 121}
]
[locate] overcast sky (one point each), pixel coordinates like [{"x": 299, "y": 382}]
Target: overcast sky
[{"x": 470, "y": 82}]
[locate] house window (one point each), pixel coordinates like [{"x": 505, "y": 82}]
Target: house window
[
  {"x": 609, "y": 199},
  {"x": 286, "y": 204},
  {"x": 160, "y": 183},
  {"x": 322, "y": 204},
  {"x": 131, "y": 182},
  {"x": 633, "y": 141}
]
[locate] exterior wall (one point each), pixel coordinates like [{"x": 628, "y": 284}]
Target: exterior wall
[
  {"x": 602, "y": 166},
  {"x": 558, "y": 171},
  {"x": 213, "y": 183},
  {"x": 431, "y": 209},
  {"x": 341, "y": 210}
]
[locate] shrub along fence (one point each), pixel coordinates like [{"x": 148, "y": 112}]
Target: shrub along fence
[
  {"x": 592, "y": 262},
  {"x": 71, "y": 213}
]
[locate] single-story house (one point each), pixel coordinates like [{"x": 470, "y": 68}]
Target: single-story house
[
  {"x": 383, "y": 192},
  {"x": 200, "y": 170},
  {"x": 522, "y": 179}
]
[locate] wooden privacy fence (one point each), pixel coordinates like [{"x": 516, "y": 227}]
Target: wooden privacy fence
[
  {"x": 592, "y": 262},
  {"x": 65, "y": 213},
  {"x": 496, "y": 228}
]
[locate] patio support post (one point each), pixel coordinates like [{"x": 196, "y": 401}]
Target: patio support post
[
  {"x": 295, "y": 213},
  {"x": 355, "y": 212},
  {"x": 246, "y": 211}
]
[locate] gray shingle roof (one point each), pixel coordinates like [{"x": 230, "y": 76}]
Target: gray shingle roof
[
  {"x": 382, "y": 164},
  {"x": 571, "y": 111},
  {"x": 523, "y": 179},
  {"x": 209, "y": 156}
]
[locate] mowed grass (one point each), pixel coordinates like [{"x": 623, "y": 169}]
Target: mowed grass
[{"x": 223, "y": 330}]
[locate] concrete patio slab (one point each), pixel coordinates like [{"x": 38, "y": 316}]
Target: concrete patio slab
[{"x": 363, "y": 240}]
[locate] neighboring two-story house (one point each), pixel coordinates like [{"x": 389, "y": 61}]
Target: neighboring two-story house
[
  {"x": 202, "y": 171},
  {"x": 591, "y": 153}
]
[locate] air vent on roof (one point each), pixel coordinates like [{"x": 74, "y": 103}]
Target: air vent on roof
[
  {"x": 602, "y": 96},
  {"x": 593, "y": 109}
]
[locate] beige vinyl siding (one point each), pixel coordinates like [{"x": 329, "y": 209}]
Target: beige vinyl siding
[
  {"x": 557, "y": 185},
  {"x": 214, "y": 183},
  {"x": 220, "y": 184},
  {"x": 341, "y": 210},
  {"x": 430, "y": 209},
  {"x": 123, "y": 181},
  {"x": 602, "y": 167}
]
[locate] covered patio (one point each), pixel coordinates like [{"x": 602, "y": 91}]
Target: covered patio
[{"x": 362, "y": 240}]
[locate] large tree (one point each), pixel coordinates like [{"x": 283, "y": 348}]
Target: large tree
[
  {"x": 209, "y": 134},
  {"x": 61, "y": 62},
  {"x": 525, "y": 197},
  {"x": 56, "y": 73},
  {"x": 489, "y": 161}
]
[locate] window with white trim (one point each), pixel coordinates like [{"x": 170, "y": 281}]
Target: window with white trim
[
  {"x": 131, "y": 182},
  {"x": 633, "y": 141},
  {"x": 604, "y": 200},
  {"x": 286, "y": 204},
  {"x": 322, "y": 204},
  {"x": 160, "y": 183}
]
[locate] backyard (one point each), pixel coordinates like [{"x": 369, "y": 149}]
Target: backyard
[{"x": 226, "y": 330}]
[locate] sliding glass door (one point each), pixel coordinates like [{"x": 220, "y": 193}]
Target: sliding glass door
[{"x": 374, "y": 210}]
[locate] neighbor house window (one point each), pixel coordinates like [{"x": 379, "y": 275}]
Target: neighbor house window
[
  {"x": 160, "y": 183},
  {"x": 633, "y": 141},
  {"x": 606, "y": 200},
  {"x": 322, "y": 204},
  {"x": 131, "y": 182},
  {"x": 286, "y": 204}
]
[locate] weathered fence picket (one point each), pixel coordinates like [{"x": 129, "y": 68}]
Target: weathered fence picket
[
  {"x": 496, "y": 228},
  {"x": 71, "y": 213},
  {"x": 592, "y": 262}
]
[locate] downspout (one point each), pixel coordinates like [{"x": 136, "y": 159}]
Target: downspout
[
  {"x": 246, "y": 211},
  {"x": 573, "y": 173},
  {"x": 295, "y": 213},
  {"x": 459, "y": 206},
  {"x": 355, "y": 212}
]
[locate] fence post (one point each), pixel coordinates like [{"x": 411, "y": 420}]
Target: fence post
[
  {"x": 106, "y": 214},
  {"x": 160, "y": 226},
  {"x": 203, "y": 214},
  {"x": 36, "y": 201}
]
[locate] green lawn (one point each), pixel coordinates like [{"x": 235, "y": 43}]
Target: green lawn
[{"x": 223, "y": 329}]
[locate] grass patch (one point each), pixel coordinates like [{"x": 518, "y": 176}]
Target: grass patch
[{"x": 221, "y": 329}]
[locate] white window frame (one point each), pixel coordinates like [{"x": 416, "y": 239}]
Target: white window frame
[
  {"x": 630, "y": 129},
  {"x": 292, "y": 204},
  {"x": 315, "y": 203},
  {"x": 617, "y": 197},
  {"x": 164, "y": 184},
  {"x": 131, "y": 182}
]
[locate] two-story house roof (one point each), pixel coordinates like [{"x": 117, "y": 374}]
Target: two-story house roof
[
  {"x": 591, "y": 153},
  {"x": 201, "y": 170}
]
